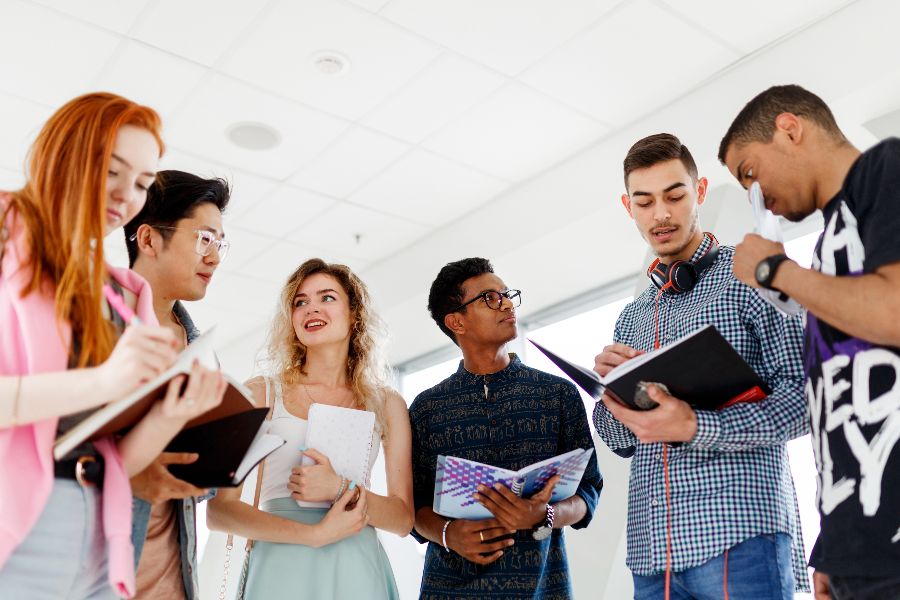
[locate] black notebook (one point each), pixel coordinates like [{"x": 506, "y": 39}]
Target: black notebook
[
  {"x": 229, "y": 448},
  {"x": 702, "y": 369}
]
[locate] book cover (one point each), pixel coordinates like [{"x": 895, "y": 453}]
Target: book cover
[
  {"x": 456, "y": 480},
  {"x": 346, "y": 436},
  {"x": 228, "y": 449},
  {"x": 121, "y": 415},
  {"x": 702, "y": 369}
]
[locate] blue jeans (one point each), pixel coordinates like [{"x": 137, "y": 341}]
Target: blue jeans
[
  {"x": 758, "y": 569},
  {"x": 64, "y": 554}
]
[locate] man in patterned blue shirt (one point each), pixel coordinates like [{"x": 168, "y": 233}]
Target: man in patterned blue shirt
[
  {"x": 498, "y": 411},
  {"x": 711, "y": 500}
]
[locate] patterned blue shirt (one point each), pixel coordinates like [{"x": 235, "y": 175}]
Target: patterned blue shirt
[
  {"x": 733, "y": 480},
  {"x": 509, "y": 419}
]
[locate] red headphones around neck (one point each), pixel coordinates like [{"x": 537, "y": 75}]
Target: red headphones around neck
[{"x": 682, "y": 275}]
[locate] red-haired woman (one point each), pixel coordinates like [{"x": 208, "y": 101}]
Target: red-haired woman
[{"x": 65, "y": 526}]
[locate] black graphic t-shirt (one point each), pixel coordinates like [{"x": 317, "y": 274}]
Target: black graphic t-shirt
[{"x": 853, "y": 386}]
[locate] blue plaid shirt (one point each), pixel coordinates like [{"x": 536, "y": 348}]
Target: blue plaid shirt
[{"x": 733, "y": 480}]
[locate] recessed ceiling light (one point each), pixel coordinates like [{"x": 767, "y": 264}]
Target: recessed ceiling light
[
  {"x": 331, "y": 63},
  {"x": 253, "y": 136}
]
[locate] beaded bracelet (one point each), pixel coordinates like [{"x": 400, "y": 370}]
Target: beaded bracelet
[
  {"x": 444, "y": 534},
  {"x": 340, "y": 491}
]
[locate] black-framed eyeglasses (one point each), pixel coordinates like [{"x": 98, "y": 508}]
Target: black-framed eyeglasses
[
  {"x": 205, "y": 241},
  {"x": 494, "y": 299}
]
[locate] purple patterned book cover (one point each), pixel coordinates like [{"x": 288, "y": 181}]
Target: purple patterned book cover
[{"x": 456, "y": 480}]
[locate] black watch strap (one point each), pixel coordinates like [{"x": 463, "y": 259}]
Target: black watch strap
[{"x": 767, "y": 268}]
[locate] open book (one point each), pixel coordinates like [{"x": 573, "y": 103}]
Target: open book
[
  {"x": 346, "y": 437},
  {"x": 228, "y": 448},
  {"x": 457, "y": 479},
  {"x": 121, "y": 415},
  {"x": 702, "y": 369}
]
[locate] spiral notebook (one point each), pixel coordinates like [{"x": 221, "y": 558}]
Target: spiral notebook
[
  {"x": 456, "y": 480},
  {"x": 346, "y": 437}
]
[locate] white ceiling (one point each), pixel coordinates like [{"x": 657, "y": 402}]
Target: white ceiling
[{"x": 462, "y": 127}]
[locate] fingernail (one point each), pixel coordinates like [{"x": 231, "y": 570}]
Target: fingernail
[
  {"x": 352, "y": 485},
  {"x": 480, "y": 487},
  {"x": 496, "y": 486}
]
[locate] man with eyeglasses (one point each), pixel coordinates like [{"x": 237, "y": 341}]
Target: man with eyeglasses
[
  {"x": 498, "y": 411},
  {"x": 176, "y": 243}
]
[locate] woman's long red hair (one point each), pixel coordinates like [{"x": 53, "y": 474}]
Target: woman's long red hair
[{"x": 63, "y": 205}]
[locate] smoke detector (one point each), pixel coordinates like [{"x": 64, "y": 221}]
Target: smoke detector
[{"x": 330, "y": 63}]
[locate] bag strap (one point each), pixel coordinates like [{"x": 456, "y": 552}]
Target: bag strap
[{"x": 229, "y": 543}]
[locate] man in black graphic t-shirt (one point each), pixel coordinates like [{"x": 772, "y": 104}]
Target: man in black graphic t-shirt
[{"x": 787, "y": 140}]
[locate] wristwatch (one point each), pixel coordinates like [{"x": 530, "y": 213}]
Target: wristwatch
[
  {"x": 766, "y": 269},
  {"x": 544, "y": 530}
]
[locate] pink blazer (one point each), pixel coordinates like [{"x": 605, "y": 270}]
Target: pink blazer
[{"x": 33, "y": 341}]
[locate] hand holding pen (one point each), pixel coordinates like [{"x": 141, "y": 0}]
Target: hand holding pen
[{"x": 144, "y": 352}]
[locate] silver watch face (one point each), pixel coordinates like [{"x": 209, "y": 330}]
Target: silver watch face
[
  {"x": 542, "y": 532},
  {"x": 762, "y": 271}
]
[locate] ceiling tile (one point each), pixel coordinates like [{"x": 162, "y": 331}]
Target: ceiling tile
[
  {"x": 150, "y": 76},
  {"x": 353, "y": 159},
  {"x": 200, "y": 30},
  {"x": 239, "y": 292},
  {"x": 428, "y": 189},
  {"x": 516, "y": 133},
  {"x": 370, "y": 5},
  {"x": 279, "y": 261},
  {"x": 507, "y": 35},
  {"x": 747, "y": 28},
  {"x": 115, "y": 15},
  {"x": 615, "y": 91},
  {"x": 278, "y": 55},
  {"x": 51, "y": 58},
  {"x": 20, "y": 122},
  {"x": 11, "y": 180},
  {"x": 335, "y": 233},
  {"x": 247, "y": 189},
  {"x": 201, "y": 124},
  {"x": 285, "y": 210},
  {"x": 245, "y": 245},
  {"x": 441, "y": 92}
]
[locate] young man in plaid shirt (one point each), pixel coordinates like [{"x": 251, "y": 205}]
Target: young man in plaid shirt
[{"x": 711, "y": 501}]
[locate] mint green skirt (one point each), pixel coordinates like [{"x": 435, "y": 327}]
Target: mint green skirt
[{"x": 353, "y": 568}]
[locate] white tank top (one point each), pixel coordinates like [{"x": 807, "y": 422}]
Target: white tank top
[{"x": 279, "y": 464}]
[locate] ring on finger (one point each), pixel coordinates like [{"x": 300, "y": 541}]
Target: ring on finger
[
  {"x": 481, "y": 536},
  {"x": 189, "y": 402}
]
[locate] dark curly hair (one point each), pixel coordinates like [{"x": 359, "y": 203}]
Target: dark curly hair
[{"x": 446, "y": 290}]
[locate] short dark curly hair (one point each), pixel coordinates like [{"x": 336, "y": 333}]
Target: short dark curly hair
[
  {"x": 172, "y": 197},
  {"x": 446, "y": 290},
  {"x": 756, "y": 121}
]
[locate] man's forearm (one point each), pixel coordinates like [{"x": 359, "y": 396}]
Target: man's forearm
[
  {"x": 569, "y": 511},
  {"x": 429, "y": 524},
  {"x": 864, "y": 307}
]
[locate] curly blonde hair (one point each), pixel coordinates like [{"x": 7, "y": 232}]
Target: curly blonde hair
[{"x": 366, "y": 369}]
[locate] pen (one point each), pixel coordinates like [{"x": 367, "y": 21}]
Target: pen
[{"x": 118, "y": 303}]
